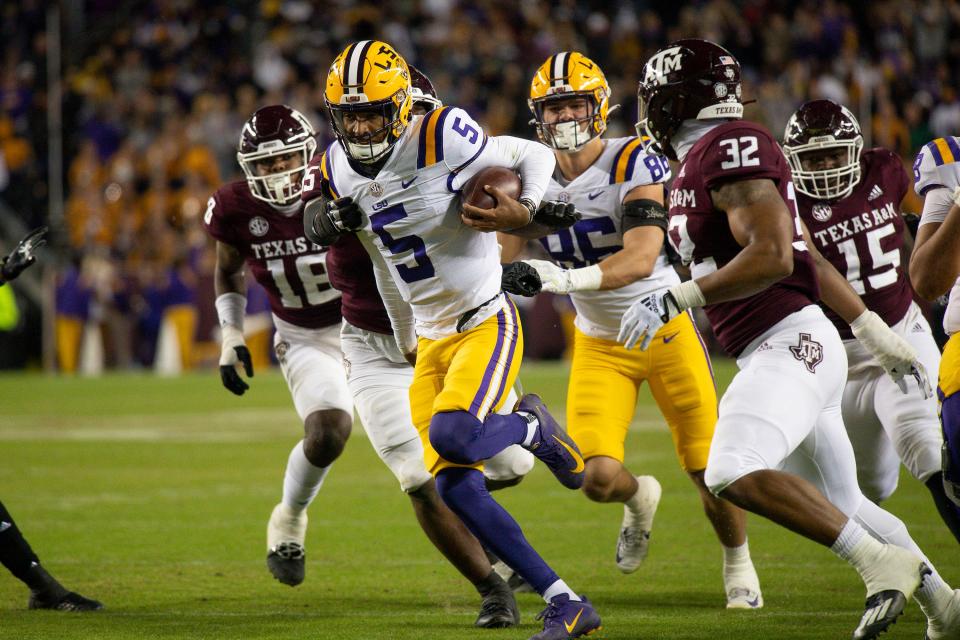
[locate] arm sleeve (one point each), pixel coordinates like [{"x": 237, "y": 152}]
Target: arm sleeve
[
  {"x": 931, "y": 169},
  {"x": 638, "y": 168},
  {"x": 936, "y": 205},
  {"x": 467, "y": 150},
  {"x": 398, "y": 310},
  {"x": 534, "y": 161}
]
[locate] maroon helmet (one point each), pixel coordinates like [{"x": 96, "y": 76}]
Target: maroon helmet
[
  {"x": 818, "y": 126},
  {"x": 276, "y": 130},
  {"x": 424, "y": 95},
  {"x": 689, "y": 79}
]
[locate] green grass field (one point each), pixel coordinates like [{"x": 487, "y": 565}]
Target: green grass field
[{"x": 152, "y": 495}]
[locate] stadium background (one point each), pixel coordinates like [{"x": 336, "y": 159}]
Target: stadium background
[
  {"x": 151, "y": 493},
  {"x": 119, "y": 119}
]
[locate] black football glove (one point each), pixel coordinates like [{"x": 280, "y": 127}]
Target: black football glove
[
  {"x": 22, "y": 255},
  {"x": 557, "y": 215},
  {"x": 233, "y": 351},
  {"x": 326, "y": 220},
  {"x": 519, "y": 278}
]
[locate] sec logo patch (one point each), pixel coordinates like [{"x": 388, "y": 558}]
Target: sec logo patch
[
  {"x": 821, "y": 212},
  {"x": 259, "y": 226}
]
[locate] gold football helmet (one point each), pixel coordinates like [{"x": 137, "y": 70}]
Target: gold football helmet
[
  {"x": 368, "y": 79},
  {"x": 565, "y": 75}
]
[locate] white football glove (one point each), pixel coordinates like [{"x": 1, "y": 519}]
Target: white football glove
[
  {"x": 645, "y": 317},
  {"x": 234, "y": 350},
  {"x": 556, "y": 279},
  {"x": 897, "y": 357}
]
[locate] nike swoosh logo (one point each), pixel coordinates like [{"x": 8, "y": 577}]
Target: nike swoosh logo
[
  {"x": 667, "y": 339},
  {"x": 407, "y": 184},
  {"x": 579, "y": 467},
  {"x": 594, "y": 196},
  {"x": 753, "y": 603},
  {"x": 571, "y": 625}
]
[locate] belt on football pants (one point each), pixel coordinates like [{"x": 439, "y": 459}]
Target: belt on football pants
[{"x": 467, "y": 315}]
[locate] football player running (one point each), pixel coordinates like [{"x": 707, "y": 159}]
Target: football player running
[
  {"x": 935, "y": 271},
  {"x": 257, "y": 223},
  {"x": 849, "y": 200},
  {"x": 379, "y": 378},
  {"x": 780, "y": 448},
  {"x": 395, "y": 181},
  {"x": 611, "y": 257}
]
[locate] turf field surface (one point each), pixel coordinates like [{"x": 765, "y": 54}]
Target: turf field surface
[{"x": 152, "y": 495}]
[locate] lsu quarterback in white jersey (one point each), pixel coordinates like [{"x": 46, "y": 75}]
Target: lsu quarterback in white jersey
[
  {"x": 608, "y": 260},
  {"x": 395, "y": 182},
  {"x": 935, "y": 271}
]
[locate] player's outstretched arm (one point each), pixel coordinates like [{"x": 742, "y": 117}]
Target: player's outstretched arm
[
  {"x": 231, "y": 304},
  {"x": 398, "y": 310},
  {"x": 935, "y": 261},
  {"x": 22, "y": 255},
  {"x": 835, "y": 291}
]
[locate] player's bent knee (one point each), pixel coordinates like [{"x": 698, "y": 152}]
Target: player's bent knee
[
  {"x": 453, "y": 434},
  {"x": 877, "y": 490},
  {"x": 725, "y": 469},
  {"x": 325, "y": 435},
  {"x": 509, "y": 466},
  {"x": 413, "y": 475}
]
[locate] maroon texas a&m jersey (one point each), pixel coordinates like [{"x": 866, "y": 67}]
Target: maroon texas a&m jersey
[
  {"x": 862, "y": 235},
  {"x": 351, "y": 271},
  {"x": 349, "y": 265},
  {"x": 733, "y": 152},
  {"x": 291, "y": 268}
]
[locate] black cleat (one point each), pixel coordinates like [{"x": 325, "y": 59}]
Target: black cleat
[
  {"x": 880, "y": 613},
  {"x": 287, "y": 563},
  {"x": 69, "y": 601},
  {"x": 498, "y": 610}
]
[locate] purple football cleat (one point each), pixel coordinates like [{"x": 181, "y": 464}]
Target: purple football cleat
[
  {"x": 565, "y": 618},
  {"x": 552, "y": 444}
]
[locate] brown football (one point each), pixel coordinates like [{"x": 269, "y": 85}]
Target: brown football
[{"x": 500, "y": 177}]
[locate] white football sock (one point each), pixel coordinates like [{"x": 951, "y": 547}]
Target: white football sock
[
  {"x": 735, "y": 558},
  {"x": 638, "y": 510},
  {"x": 847, "y": 545},
  {"x": 532, "y": 423},
  {"x": 557, "y": 588},
  {"x": 302, "y": 480}
]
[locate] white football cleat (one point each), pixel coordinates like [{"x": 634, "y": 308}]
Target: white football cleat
[
  {"x": 634, "y": 541},
  {"x": 890, "y": 579},
  {"x": 946, "y": 626},
  {"x": 743, "y": 588},
  {"x": 286, "y": 532}
]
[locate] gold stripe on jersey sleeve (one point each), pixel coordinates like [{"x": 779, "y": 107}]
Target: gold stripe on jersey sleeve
[
  {"x": 430, "y": 150},
  {"x": 620, "y": 172},
  {"x": 325, "y": 172},
  {"x": 945, "y": 151}
]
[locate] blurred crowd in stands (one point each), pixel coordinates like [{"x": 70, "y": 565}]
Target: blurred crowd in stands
[{"x": 155, "y": 93}]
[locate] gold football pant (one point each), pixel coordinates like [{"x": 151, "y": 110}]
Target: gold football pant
[
  {"x": 471, "y": 371},
  {"x": 605, "y": 379}
]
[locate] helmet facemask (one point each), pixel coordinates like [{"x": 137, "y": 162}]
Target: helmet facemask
[
  {"x": 281, "y": 188},
  {"x": 826, "y": 184},
  {"x": 371, "y": 146},
  {"x": 569, "y": 135}
]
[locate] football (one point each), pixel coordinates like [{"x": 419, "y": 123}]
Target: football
[{"x": 500, "y": 177}]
